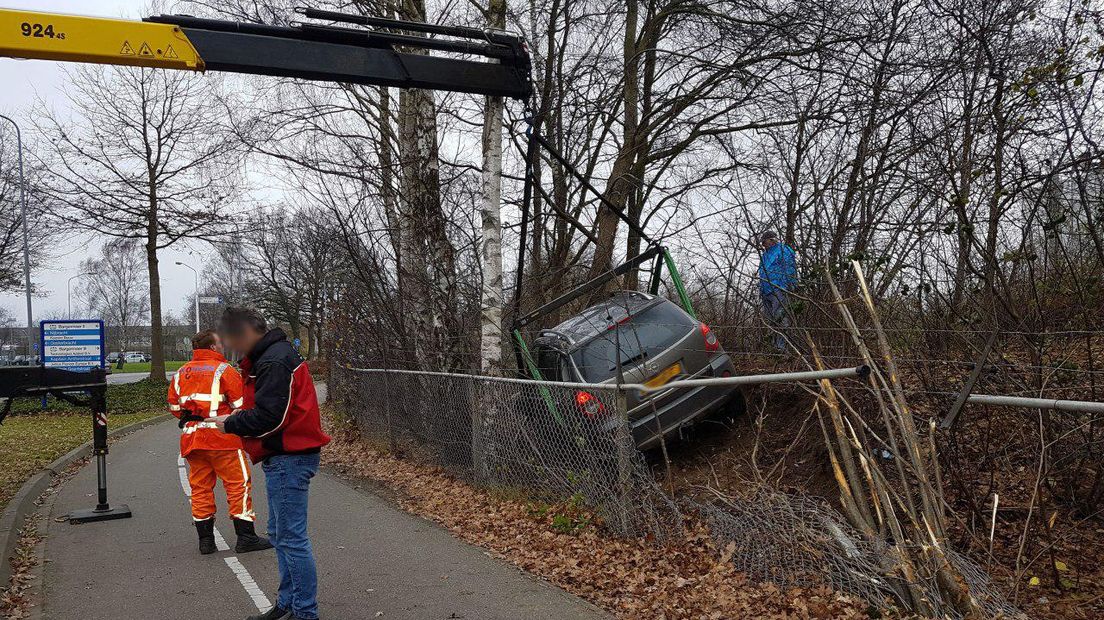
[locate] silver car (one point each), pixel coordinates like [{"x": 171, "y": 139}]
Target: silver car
[{"x": 658, "y": 342}]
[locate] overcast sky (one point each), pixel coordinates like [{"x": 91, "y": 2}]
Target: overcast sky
[{"x": 23, "y": 80}]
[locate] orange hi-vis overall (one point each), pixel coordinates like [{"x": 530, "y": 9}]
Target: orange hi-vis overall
[{"x": 207, "y": 387}]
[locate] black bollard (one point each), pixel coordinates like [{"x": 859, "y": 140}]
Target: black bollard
[{"x": 103, "y": 510}]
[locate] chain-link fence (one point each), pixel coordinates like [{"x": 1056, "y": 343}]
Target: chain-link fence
[
  {"x": 544, "y": 440},
  {"x": 556, "y": 441}
]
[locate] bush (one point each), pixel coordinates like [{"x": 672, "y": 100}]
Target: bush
[{"x": 125, "y": 398}]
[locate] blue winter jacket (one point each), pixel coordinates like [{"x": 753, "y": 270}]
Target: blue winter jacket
[{"x": 777, "y": 269}]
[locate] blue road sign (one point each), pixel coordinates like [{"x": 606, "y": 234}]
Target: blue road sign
[
  {"x": 76, "y": 345},
  {"x": 297, "y": 343}
]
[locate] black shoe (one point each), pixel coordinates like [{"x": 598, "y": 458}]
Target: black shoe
[
  {"x": 272, "y": 614},
  {"x": 248, "y": 539},
  {"x": 206, "y": 531}
]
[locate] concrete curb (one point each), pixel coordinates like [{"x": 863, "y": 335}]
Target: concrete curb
[{"x": 22, "y": 503}]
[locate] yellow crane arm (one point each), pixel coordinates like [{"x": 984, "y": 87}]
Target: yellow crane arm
[
  {"x": 375, "y": 51},
  {"x": 49, "y": 36}
]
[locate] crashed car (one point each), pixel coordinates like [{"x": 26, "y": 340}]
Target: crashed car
[{"x": 654, "y": 342}]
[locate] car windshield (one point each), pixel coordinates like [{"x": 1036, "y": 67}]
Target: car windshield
[{"x": 641, "y": 336}]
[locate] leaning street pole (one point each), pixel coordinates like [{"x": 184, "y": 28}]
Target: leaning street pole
[{"x": 26, "y": 234}]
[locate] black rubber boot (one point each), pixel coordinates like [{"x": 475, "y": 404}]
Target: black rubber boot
[
  {"x": 206, "y": 530},
  {"x": 248, "y": 539},
  {"x": 272, "y": 614}
]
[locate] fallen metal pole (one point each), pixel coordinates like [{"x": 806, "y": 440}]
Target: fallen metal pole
[
  {"x": 1080, "y": 406},
  {"x": 781, "y": 377}
]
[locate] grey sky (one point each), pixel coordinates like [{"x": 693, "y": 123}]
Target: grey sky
[{"x": 23, "y": 80}]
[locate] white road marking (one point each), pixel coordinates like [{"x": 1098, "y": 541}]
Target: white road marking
[
  {"x": 220, "y": 542},
  {"x": 251, "y": 588}
]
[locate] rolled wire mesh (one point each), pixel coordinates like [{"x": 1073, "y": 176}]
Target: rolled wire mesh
[
  {"x": 543, "y": 441},
  {"x": 796, "y": 540}
]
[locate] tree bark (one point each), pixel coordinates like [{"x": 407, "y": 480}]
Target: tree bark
[
  {"x": 157, "y": 352},
  {"x": 429, "y": 258},
  {"x": 621, "y": 182},
  {"x": 491, "y": 358}
]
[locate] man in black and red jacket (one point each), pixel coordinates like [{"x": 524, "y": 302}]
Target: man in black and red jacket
[{"x": 280, "y": 427}]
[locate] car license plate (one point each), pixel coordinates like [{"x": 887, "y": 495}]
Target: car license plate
[{"x": 668, "y": 373}]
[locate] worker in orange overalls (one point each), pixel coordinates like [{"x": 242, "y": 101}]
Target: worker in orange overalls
[{"x": 206, "y": 387}]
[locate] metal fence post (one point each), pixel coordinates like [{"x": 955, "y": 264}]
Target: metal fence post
[
  {"x": 625, "y": 450},
  {"x": 388, "y": 417},
  {"x": 480, "y": 404}
]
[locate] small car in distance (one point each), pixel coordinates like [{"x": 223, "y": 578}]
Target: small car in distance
[
  {"x": 655, "y": 342},
  {"x": 134, "y": 358}
]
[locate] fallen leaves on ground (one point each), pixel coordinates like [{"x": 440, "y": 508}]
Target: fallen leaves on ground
[
  {"x": 631, "y": 578},
  {"x": 15, "y": 601},
  {"x": 23, "y": 592}
]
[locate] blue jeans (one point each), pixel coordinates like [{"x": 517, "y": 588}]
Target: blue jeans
[
  {"x": 774, "y": 307},
  {"x": 287, "y": 481}
]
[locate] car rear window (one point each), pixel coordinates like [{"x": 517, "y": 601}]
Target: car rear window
[{"x": 642, "y": 336}]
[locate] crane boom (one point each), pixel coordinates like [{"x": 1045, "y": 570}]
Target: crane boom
[
  {"x": 47, "y": 36},
  {"x": 308, "y": 51}
]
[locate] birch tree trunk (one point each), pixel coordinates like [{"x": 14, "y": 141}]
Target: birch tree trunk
[
  {"x": 490, "y": 349},
  {"x": 429, "y": 262}
]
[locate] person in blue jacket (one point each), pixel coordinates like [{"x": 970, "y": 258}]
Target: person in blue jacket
[{"x": 777, "y": 278}]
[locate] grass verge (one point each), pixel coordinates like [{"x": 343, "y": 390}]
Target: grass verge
[
  {"x": 145, "y": 367},
  {"x": 32, "y": 438},
  {"x": 125, "y": 398}
]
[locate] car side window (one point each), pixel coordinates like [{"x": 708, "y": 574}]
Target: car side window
[
  {"x": 548, "y": 361},
  {"x": 567, "y": 372}
]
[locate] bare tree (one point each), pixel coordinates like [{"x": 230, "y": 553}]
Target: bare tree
[
  {"x": 117, "y": 289},
  {"x": 142, "y": 158},
  {"x": 11, "y": 217},
  {"x": 290, "y": 267},
  {"x": 491, "y": 343}
]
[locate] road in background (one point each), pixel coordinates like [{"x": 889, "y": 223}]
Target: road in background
[{"x": 119, "y": 378}]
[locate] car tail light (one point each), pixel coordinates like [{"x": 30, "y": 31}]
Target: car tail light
[
  {"x": 588, "y": 404},
  {"x": 712, "y": 345}
]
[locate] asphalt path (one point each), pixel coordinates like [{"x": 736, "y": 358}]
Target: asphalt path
[
  {"x": 374, "y": 561},
  {"x": 118, "y": 378}
]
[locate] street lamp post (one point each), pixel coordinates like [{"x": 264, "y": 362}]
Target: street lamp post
[
  {"x": 26, "y": 235},
  {"x": 196, "y": 291},
  {"x": 69, "y": 290}
]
